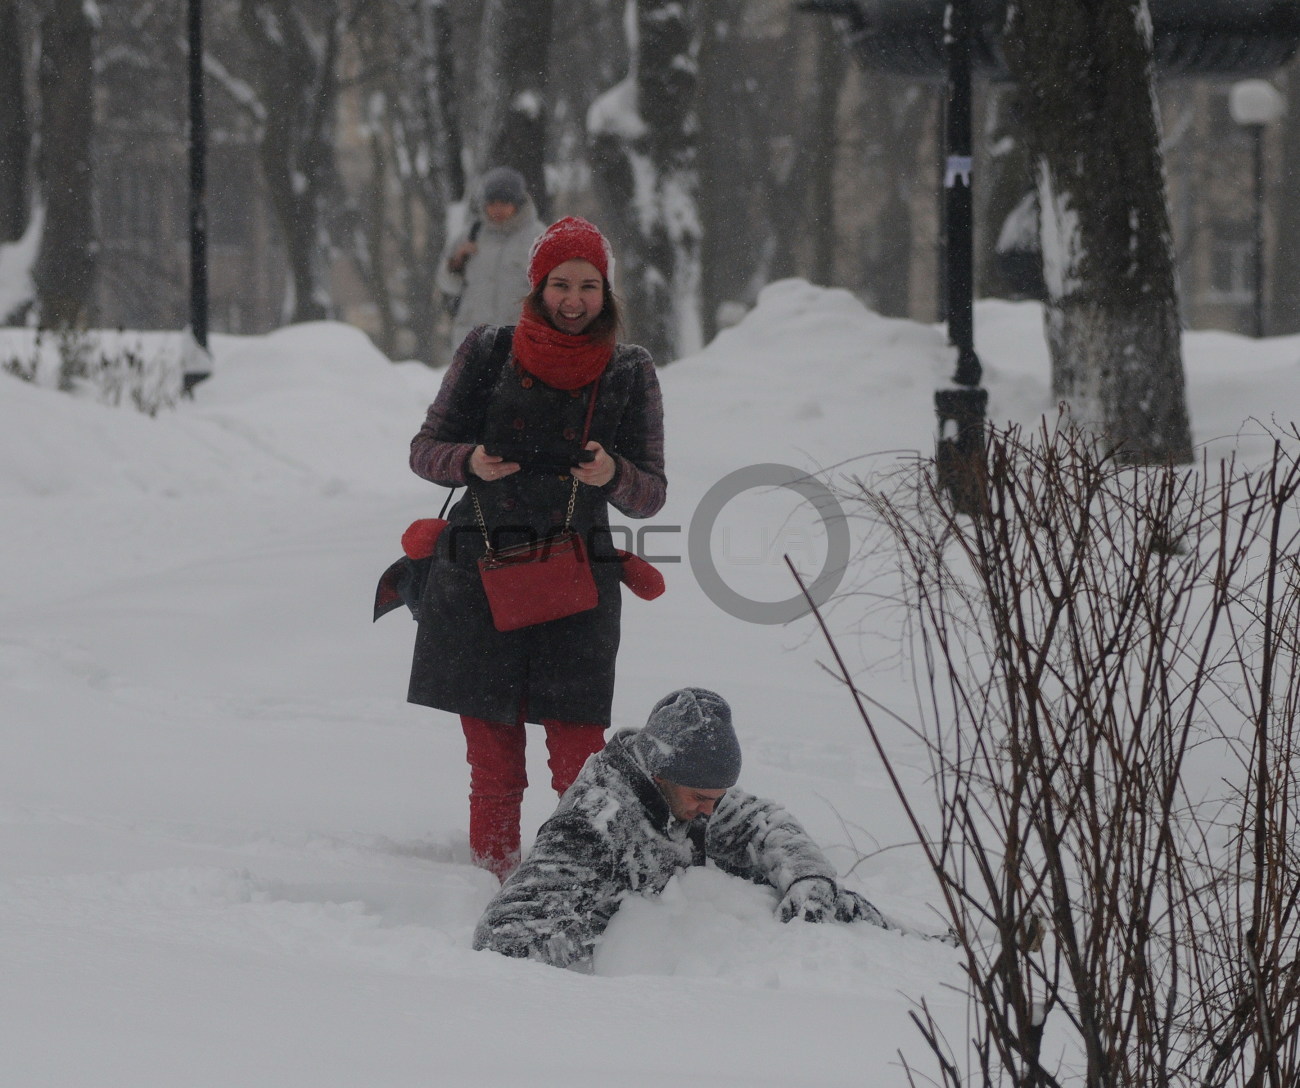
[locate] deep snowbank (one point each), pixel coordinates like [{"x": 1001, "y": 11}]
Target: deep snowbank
[{"x": 231, "y": 854}]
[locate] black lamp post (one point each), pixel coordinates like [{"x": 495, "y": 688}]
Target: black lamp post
[
  {"x": 960, "y": 451},
  {"x": 945, "y": 39},
  {"x": 960, "y": 408},
  {"x": 197, "y": 363},
  {"x": 1255, "y": 104}
]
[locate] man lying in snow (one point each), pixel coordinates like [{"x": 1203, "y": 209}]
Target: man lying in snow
[{"x": 656, "y": 800}]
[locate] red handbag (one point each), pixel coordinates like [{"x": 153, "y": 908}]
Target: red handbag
[
  {"x": 545, "y": 580},
  {"x": 538, "y": 582}
]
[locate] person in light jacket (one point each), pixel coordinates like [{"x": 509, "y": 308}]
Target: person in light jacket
[
  {"x": 485, "y": 267},
  {"x": 545, "y": 423},
  {"x": 653, "y": 802}
]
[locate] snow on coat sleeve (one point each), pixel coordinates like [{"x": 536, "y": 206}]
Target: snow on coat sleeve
[
  {"x": 759, "y": 840},
  {"x": 440, "y": 451},
  {"x": 556, "y": 905},
  {"x": 640, "y": 486}
]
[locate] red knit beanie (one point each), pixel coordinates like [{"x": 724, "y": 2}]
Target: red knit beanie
[{"x": 569, "y": 239}]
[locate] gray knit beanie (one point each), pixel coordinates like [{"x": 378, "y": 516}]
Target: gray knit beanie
[
  {"x": 506, "y": 185},
  {"x": 688, "y": 740}
]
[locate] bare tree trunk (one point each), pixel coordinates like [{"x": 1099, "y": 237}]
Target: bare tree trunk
[
  {"x": 644, "y": 155},
  {"x": 443, "y": 120},
  {"x": 416, "y": 170},
  {"x": 1009, "y": 261},
  {"x": 800, "y": 177},
  {"x": 1085, "y": 67},
  {"x": 1284, "y": 309},
  {"x": 15, "y": 130},
  {"x": 64, "y": 273},
  {"x": 514, "y": 77},
  {"x": 721, "y": 216},
  {"x": 365, "y": 240},
  {"x": 726, "y": 102},
  {"x": 766, "y": 151},
  {"x": 427, "y": 130},
  {"x": 819, "y": 155},
  {"x": 896, "y": 114},
  {"x": 296, "y": 75}
]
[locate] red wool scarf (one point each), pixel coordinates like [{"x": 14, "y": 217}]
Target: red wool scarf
[{"x": 560, "y": 360}]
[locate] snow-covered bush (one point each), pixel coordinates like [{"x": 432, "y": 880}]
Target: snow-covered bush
[{"x": 142, "y": 370}]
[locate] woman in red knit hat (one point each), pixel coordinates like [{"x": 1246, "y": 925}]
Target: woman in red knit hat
[{"x": 545, "y": 423}]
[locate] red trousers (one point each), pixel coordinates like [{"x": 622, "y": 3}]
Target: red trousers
[{"x": 498, "y": 775}]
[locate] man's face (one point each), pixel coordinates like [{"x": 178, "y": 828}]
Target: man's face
[
  {"x": 686, "y": 802},
  {"x": 499, "y": 210}
]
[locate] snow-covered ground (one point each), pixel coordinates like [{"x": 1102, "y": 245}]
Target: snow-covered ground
[{"x": 231, "y": 854}]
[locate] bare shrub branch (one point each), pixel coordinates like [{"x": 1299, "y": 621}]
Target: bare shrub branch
[{"x": 1107, "y": 681}]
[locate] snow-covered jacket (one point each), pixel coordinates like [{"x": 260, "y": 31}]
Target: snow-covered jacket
[
  {"x": 494, "y": 280},
  {"x": 613, "y": 835}
]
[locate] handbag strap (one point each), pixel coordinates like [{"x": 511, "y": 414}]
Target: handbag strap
[
  {"x": 573, "y": 493},
  {"x": 482, "y": 525},
  {"x": 502, "y": 338}
]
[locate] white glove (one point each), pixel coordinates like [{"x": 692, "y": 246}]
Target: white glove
[
  {"x": 809, "y": 899},
  {"x": 851, "y": 907}
]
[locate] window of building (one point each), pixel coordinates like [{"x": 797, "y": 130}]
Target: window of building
[{"x": 1232, "y": 267}]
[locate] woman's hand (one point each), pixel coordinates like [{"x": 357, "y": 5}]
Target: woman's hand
[
  {"x": 487, "y": 467},
  {"x": 599, "y": 470}
]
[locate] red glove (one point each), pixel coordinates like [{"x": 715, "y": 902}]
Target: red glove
[
  {"x": 640, "y": 577},
  {"x": 421, "y": 537}
]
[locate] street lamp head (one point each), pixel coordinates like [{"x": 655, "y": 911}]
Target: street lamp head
[{"x": 1255, "y": 102}]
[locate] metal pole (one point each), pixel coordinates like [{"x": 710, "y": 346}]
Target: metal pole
[
  {"x": 957, "y": 189},
  {"x": 1257, "y": 134},
  {"x": 197, "y": 369},
  {"x": 960, "y": 453},
  {"x": 942, "y": 289}
]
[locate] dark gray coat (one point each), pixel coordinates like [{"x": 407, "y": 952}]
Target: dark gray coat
[
  {"x": 564, "y": 669},
  {"x": 612, "y": 836}
]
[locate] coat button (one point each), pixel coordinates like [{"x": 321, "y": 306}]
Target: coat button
[
  {"x": 526, "y": 382},
  {"x": 509, "y": 504},
  {"x": 570, "y": 434},
  {"x": 518, "y": 424}
]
